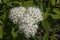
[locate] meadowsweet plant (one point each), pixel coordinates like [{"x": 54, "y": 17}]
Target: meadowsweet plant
[{"x": 27, "y": 18}]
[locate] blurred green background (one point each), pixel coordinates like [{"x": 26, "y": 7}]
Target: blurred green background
[{"x": 49, "y": 28}]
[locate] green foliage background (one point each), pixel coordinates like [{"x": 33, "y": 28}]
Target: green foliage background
[{"x": 49, "y": 28}]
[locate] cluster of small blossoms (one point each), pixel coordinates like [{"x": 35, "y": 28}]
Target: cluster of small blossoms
[
  {"x": 16, "y": 14},
  {"x": 27, "y": 18},
  {"x": 35, "y": 13},
  {"x": 28, "y": 29}
]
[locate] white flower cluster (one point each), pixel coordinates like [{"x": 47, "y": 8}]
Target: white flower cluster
[
  {"x": 16, "y": 14},
  {"x": 29, "y": 30},
  {"x": 27, "y": 19},
  {"x": 35, "y": 13}
]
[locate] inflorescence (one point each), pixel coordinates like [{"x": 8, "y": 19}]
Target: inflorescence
[{"x": 27, "y": 18}]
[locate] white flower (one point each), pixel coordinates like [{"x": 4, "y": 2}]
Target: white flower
[
  {"x": 35, "y": 13},
  {"x": 28, "y": 30},
  {"x": 27, "y": 19},
  {"x": 17, "y": 13}
]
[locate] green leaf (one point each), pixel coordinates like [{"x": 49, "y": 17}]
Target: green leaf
[
  {"x": 1, "y": 31},
  {"x": 28, "y": 3},
  {"x": 37, "y": 38},
  {"x": 55, "y": 16},
  {"x": 4, "y": 16},
  {"x": 53, "y": 38},
  {"x": 56, "y": 10},
  {"x": 5, "y": 1},
  {"x": 45, "y": 25},
  {"x": 41, "y": 7},
  {"x": 1, "y": 22},
  {"x": 45, "y": 37},
  {"x": 9, "y": 4},
  {"x": 52, "y": 2},
  {"x": 58, "y": 1},
  {"x": 45, "y": 15},
  {"x": 14, "y": 34}
]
